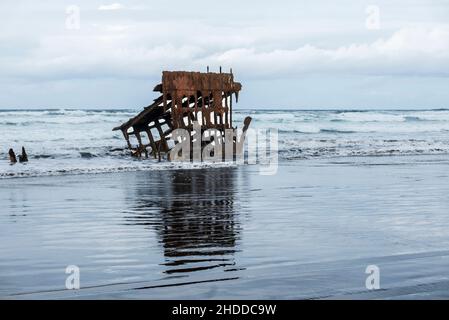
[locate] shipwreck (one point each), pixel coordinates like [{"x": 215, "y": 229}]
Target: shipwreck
[{"x": 194, "y": 101}]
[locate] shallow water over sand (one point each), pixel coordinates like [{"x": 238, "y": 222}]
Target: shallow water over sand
[{"x": 307, "y": 232}]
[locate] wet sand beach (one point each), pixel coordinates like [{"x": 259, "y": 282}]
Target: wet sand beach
[{"x": 310, "y": 231}]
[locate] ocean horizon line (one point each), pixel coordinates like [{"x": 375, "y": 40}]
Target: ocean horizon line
[{"x": 236, "y": 109}]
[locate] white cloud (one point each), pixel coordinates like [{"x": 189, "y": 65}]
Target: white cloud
[
  {"x": 112, "y": 6},
  {"x": 114, "y": 28},
  {"x": 298, "y": 41},
  {"x": 409, "y": 51}
]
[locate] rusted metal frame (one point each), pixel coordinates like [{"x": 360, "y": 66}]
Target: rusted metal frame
[
  {"x": 225, "y": 110},
  {"x": 230, "y": 110},
  {"x": 141, "y": 146},
  {"x": 186, "y": 111},
  {"x": 174, "y": 113},
  {"x": 133, "y": 121},
  {"x": 205, "y": 92},
  {"x": 166, "y": 120},
  {"x": 163, "y": 139},
  {"x": 203, "y": 109},
  {"x": 152, "y": 142},
  {"x": 126, "y": 136},
  {"x": 191, "y": 96},
  {"x": 199, "y": 106},
  {"x": 211, "y": 109},
  {"x": 207, "y": 107},
  {"x": 215, "y": 108},
  {"x": 220, "y": 108},
  {"x": 180, "y": 112},
  {"x": 203, "y": 104},
  {"x": 190, "y": 112},
  {"x": 159, "y": 153},
  {"x": 196, "y": 106}
]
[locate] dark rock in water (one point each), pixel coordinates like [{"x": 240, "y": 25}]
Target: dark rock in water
[
  {"x": 42, "y": 156},
  {"x": 12, "y": 156},
  {"x": 87, "y": 155},
  {"x": 23, "y": 157}
]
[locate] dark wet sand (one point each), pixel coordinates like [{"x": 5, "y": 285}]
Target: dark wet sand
[{"x": 229, "y": 233}]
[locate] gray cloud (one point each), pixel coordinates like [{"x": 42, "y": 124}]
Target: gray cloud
[{"x": 134, "y": 42}]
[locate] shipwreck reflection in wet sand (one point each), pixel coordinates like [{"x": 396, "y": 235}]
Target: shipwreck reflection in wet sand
[{"x": 193, "y": 213}]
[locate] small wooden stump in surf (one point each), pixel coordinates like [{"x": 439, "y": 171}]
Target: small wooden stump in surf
[
  {"x": 12, "y": 156},
  {"x": 23, "y": 157}
]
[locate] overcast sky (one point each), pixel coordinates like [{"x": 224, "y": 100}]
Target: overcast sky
[{"x": 306, "y": 54}]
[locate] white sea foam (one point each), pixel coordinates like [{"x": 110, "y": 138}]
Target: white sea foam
[{"x": 56, "y": 167}]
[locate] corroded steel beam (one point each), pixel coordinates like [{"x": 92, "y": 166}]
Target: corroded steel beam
[{"x": 186, "y": 97}]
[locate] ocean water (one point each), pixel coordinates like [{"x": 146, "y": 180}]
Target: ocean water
[
  {"x": 353, "y": 189},
  {"x": 82, "y": 141}
]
